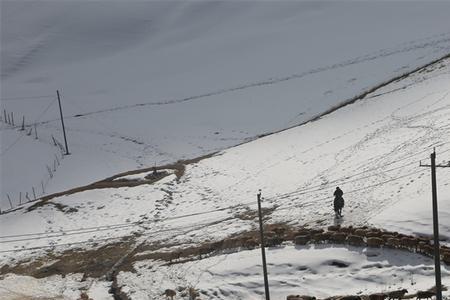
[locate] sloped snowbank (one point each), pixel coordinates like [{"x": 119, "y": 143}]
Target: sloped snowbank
[
  {"x": 320, "y": 271},
  {"x": 156, "y": 81},
  {"x": 371, "y": 149}
]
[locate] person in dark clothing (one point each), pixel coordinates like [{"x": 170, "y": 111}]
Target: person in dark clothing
[
  {"x": 338, "y": 193},
  {"x": 338, "y": 202}
]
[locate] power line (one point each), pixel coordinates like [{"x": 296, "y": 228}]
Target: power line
[
  {"x": 319, "y": 187},
  {"x": 112, "y": 226},
  {"x": 183, "y": 216},
  {"x": 308, "y": 190},
  {"x": 138, "y": 223},
  {"x": 347, "y": 177},
  {"x": 187, "y": 215},
  {"x": 356, "y": 190},
  {"x": 114, "y": 238}
]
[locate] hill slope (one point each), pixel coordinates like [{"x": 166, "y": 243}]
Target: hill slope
[
  {"x": 371, "y": 149},
  {"x": 147, "y": 83}
]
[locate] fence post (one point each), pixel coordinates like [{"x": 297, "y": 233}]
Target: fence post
[
  {"x": 62, "y": 122},
  {"x": 42, "y": 185},
  {"x": 49, "y": 171},
  {"x": 9, "y": 199},
  {"x": 12, "y": 118},
  {"x": 6, "y": 118},
  {"x": 263, "y": 252},
  {"x": 20, "y": 198},
  {"x": 23, "y": 124},
  {"x": 35, "y": 132},
  {"x": 26, "y": 196},
  {"x": 34, "y": 193}
]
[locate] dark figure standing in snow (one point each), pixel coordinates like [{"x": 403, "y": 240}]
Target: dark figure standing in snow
[{"x": 338, "y": 202}]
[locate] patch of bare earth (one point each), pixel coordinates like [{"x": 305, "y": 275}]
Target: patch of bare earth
[
  {"x": 92, "y": 263},
  {"x": 117, "y": 182}
]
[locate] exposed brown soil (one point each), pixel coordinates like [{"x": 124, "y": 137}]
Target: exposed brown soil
[
  {"x": 250, "y": 214},
  {"x": 179, "y": 166},
  {"x": 93, "y": 263},
  {"x": 116, "y": 182},
  {"x": 96, "y": 263}
]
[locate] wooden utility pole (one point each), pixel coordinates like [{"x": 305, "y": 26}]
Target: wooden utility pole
[
  {"x": 263, "y": 252},
  {"x": 437, "y": 257},
  {"x": 62, "y": 122}
]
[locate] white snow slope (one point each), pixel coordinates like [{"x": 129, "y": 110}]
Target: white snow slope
[
  {"x": 371, "y": 149},
  {"x": 155, "y": 81}
]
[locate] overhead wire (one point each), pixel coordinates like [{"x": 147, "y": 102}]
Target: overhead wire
[
  {"x": 194, "y": 227},
  {"x": 35, "y": 236},
  {"x": 114, "y": 226},
  {"x": 85, "y": 230},
  {"x": 193, "y": 214}
]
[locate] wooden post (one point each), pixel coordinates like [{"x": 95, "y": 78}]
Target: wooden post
[
  {"x": 437, "y": 263},
  {"x": 35, "y": 132},
  {"x": 43, "y": 189},
  {"x": 34, "y": 193},
  {"x": 23, "y": 124},
  {"x": 62, "y": 122},
  {"x": 12, "y": 118},
  {"x": 9, "y": 199},
  {"x": 49, "y": 171},
  {"x": 20, "y": 198},
  {"x": 263, "y": 252},
  {"x": 6, "y": 118}
]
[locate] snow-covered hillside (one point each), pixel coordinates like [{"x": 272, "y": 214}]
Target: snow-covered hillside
[
  {"x": 147, "y": 83},
  {"x": 371, "y": 149}
]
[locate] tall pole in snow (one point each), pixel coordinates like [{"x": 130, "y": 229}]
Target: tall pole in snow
[
  {"x": 62, "y": 122},
  {"x": 263, "y": 251},
  {"x": 437, "y": 258},
  {"x": 437, "y": 262}
]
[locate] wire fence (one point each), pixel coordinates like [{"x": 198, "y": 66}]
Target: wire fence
[
  {"x": 282, "y": 199},
  {"x": 30, "y": 131}
]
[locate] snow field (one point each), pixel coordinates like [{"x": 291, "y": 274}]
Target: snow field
[
  {"x": 320, "y": 271},
  {"x": 371, "y": 149},
  {"x": 154, "y": 82},
  {"x": 15, "y": 287}
]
